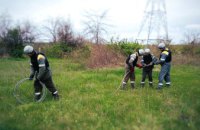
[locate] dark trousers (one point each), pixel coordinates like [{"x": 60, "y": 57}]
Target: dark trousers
[
  {"x": 164, "y": 73},
  {"x": 146, "y": 73},
  {"x": 129, "y": 75},
  {"x": 47, "y": 82}
]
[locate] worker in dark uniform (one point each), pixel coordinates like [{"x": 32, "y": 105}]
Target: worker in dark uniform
[
  {"x": 41, "y": 70},
  {"x": 131, "y": 62},
  {"x": 147, "y": 62},
  {"x": 165, "y": 62}
]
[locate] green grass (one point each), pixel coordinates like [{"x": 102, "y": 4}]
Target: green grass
[{"x": 90, "y": 100}]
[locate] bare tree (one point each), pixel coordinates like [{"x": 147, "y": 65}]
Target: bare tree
[
  {"x": 95, "y": 26},
  {"x": 5, "y": 24},
  {"x": 28, "y": 32},
  {"x": 192, "y": 37},
  {"x": 51, "y": 28},
  {"x": 65, "y": 33}
]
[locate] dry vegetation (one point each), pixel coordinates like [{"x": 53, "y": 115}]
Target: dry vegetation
[{"x": 102, "y": 56}]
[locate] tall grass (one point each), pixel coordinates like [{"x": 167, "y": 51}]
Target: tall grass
[{"x": 90, "y": 100}]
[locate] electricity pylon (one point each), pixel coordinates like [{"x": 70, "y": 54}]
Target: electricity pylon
[{"x": 154, "y": 23}]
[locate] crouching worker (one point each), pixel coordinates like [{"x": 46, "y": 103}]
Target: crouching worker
[
  {"x": 147, "y": 62},
  {"x": 131, "y": 62},
  {"x": 40, "y": 69}
]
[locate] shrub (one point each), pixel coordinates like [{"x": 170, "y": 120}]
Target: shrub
[
  {"x": 17, "y": 51},
  {"x": 104, "y": 56},
  {"x": 54, "y": 51},
  {"x": 81, "y": 54},
  {"x": 126, "y": 48}
]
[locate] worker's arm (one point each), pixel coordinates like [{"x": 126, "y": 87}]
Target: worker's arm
[{"x": 42, "y": 67}]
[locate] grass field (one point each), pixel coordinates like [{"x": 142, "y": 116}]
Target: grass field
[{"x": 90, "y": 100}]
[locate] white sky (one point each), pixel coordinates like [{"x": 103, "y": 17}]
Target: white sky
[{"x": 124, "y": 15}]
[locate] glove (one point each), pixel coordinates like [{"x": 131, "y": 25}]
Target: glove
[
  {"x": 31, "y": 77},
  {"x": 139, "y": 66},
  {"x": 144, "y": 65},
  {"x": 131, "y": 69}
]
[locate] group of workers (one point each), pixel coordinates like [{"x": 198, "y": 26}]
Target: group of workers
[
  {"x": 148, "y": 61},
  {"x": 41, "y": 71}
]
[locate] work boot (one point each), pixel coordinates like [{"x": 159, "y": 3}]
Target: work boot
[
  {"x": 55, "y": 96},
  {"x": 160, "y": 85},
  {"x": 132, "y": 85},
  {"x": 159, "y": 88},
  {"x": 37, "y": 97},
  {"x": 150, "y": 84},
  {"x": 168, "y": 84},
  {"x": 142, "y": 84},
  {"x": 123, "y": 87}
]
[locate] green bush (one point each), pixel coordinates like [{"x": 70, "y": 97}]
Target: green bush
[
  {"x": 16, "y": 53},
  {"x": 54, "y": 51},
  {"x": 125, "y": 48},
  {"x": 66, "y": 48}
]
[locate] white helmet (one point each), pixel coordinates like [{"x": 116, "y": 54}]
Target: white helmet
[
  {"x": 28, "y": 49},
  {"x": 147, "y": 50},
  {"x": 140, "y": 52},
  {"x": 161, "y": 45}
]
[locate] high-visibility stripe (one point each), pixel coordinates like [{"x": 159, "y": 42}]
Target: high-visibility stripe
[
  {"x": 162, "y": 59},
  {"x": 55, "y": 92},
  {"x": 38, "y": 93},
  {"x": 124, "y": 82},
  {"x": 42, "y": 65}
]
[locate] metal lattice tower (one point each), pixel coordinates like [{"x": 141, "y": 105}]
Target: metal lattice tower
[{"x": 154, "y": 23}]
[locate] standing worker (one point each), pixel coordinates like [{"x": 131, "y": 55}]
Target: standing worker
[
  {"x": 40, "y": 69},
  {"x": 165, "y": 62},
  {"x": 147, "y": 62},
  {"x": 131, "y": 62}
]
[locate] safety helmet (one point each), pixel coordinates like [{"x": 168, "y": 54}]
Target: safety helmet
[
  {"x": 28, "y": 49},
  {"x": 147, "y": 50},
  {"x": 140, "y": 52},
  {"x": 161, "y": 45}
]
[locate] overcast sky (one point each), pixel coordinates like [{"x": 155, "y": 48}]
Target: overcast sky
[{"x": 124, "y": 15}]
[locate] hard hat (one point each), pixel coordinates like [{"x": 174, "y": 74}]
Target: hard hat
[
  {"x": 141, "y": 51},
  {"x": 161, "y": 45},
  {"x": 28, "y": 49},
  {"x": 147, "y": 50}
]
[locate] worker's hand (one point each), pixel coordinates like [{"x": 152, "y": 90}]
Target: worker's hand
[
  {"x": 150, "y": 64},
  {"x": 144, "y": 65},
  {"x": 31, "y": 77}
]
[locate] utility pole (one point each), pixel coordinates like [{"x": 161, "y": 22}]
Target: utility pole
[{"x": 154, "y": 24}]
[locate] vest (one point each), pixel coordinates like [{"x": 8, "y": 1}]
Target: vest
[
  {"x": 34, "y": 61},
  {"x": 147, "y": 59},
  {"x": 134, "y": 62},
  {"x": 169, "y": 56}
]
